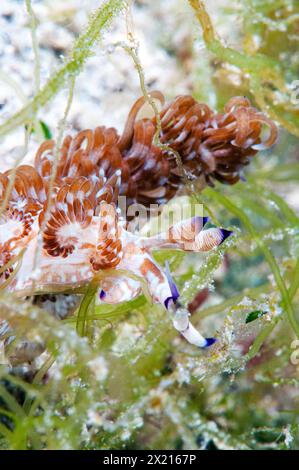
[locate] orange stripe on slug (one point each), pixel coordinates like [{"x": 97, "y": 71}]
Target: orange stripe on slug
[{"x": 149, "y": 267}]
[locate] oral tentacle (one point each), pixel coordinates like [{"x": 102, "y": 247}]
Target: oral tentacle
[
  {"x": 181, "y": 316},
  {"x": 208, "y": 239},
  {"x": 173, "y": 288},
  {"x": 182, "y": 324}
]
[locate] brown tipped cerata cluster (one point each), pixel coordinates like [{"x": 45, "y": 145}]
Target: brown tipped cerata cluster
[
  {"x": 60, "y": 224},
  {"x": 213, "y": 146}
]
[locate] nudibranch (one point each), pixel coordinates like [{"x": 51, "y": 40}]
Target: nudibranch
[{"x": 55, "y": 241}]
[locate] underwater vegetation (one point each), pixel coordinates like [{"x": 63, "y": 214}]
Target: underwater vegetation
[{"x": 149, "y": 277}]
